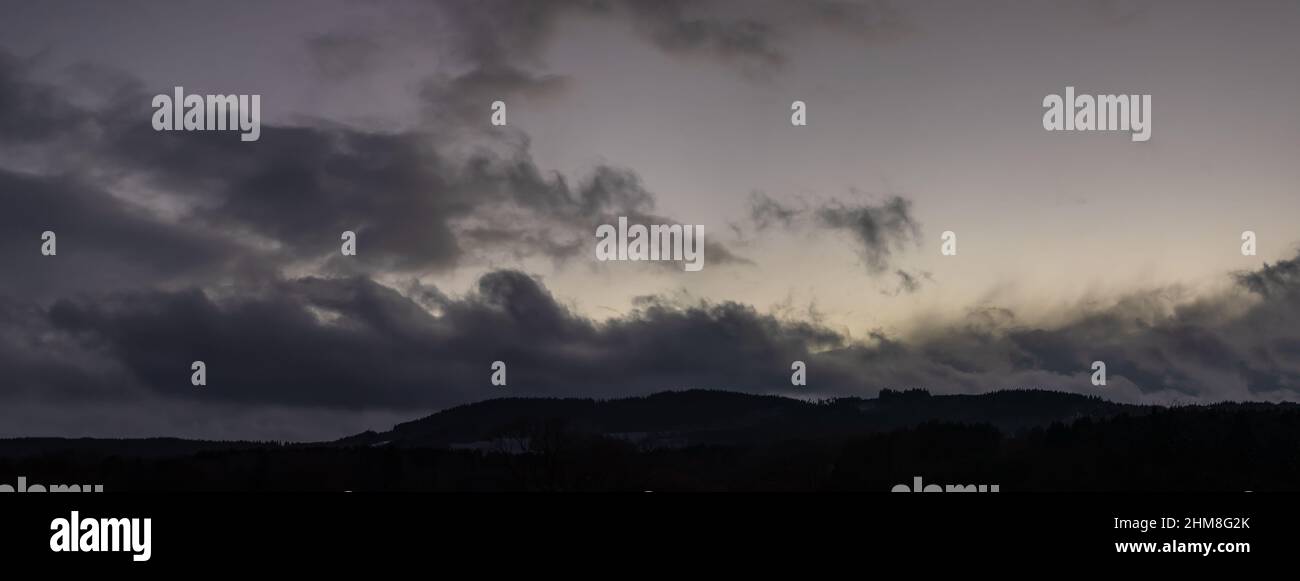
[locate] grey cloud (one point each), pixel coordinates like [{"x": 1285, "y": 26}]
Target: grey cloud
[
  {"x": 413, "y": 197},
  {"x": 103, "y": 242},
  {"x": 352, "y": 344},
  {"x": 740, "y": 39},
  {"x": 499, "y": 43},
  {"x": 465, "y": 98},
  {"x": 877, "y": 230},
  {"x": 31, "y": 111},
  {"x": 1270, "y": 280},
  {"x": 766, "y": 212},
  {"x": 909, "y": 283}
]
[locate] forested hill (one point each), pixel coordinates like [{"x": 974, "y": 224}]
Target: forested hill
[
  {"x": 713, "y": 440},
  {"x": 720, "y": 417}
]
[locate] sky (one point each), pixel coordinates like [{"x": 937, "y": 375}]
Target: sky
[{"x": 475, "y": 242}]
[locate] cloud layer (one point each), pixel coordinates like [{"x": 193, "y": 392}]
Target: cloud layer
[{"x": 352, "y": 344}]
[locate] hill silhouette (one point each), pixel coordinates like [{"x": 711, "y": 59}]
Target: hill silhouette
[
  {"x": 671, "y": 419},
  {"x": 715, "y": 440}
]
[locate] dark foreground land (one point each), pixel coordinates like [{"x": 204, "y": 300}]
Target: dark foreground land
[{"x": 721, "y": 441}]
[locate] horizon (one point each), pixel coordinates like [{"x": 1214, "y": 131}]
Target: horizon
[{"x": 885, "y": 394}]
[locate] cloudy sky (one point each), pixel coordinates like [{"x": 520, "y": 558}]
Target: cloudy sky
[{"x": 476, "y": 243}]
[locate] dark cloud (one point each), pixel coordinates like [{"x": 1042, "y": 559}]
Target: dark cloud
[
  {"x": 31, "y": 111},
  {"x": 686, "y": 27},
  {"x": 172, "y": 246},
  {"x": 351, "y": 344},
  {"x": 877, "y": 229},
  {"x": 45, "y": 365},
  {"x": 416, "y": 201},
  {"x": 102, "y": 242},
  {"x": 909, "y": 283},
  {"x": 497, "y": 45},
  {"x": 766, "y": 212},
  {"x": 1280, "y": 278},
  {"x": 309, "y": 342},
  {"x": 500, "y": 34}
]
